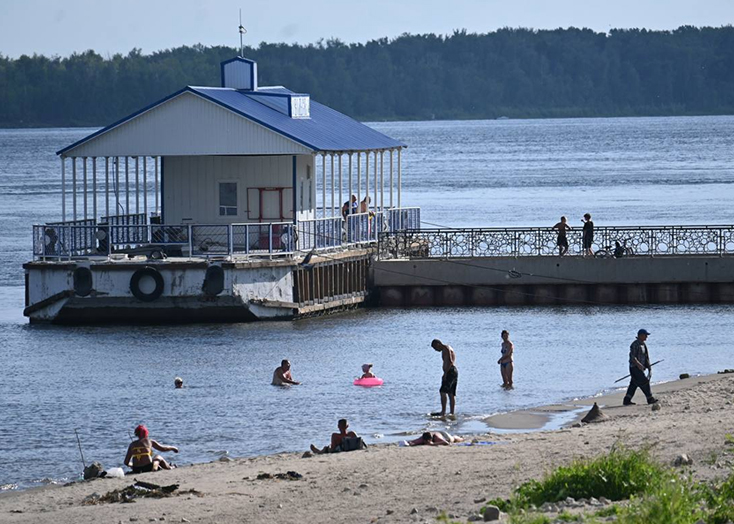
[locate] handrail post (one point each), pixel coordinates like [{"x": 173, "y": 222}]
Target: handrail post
[
  {"x": 191, "y": 241},
  {"x": 230, "y": 245},
  {"x": 270, "y": 238}
]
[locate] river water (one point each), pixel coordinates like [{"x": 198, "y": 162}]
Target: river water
[{"x": 103, "y": 381}]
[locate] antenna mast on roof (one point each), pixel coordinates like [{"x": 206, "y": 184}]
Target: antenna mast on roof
[{"x": 242, "y": 33}]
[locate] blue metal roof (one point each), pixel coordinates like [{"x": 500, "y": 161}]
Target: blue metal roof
[{"x": 326, "y": 129}]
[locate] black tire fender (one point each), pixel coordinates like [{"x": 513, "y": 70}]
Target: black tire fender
[
  {"x": 150, "y": 272},
  {"x": 213, "y": 281},
  {"x": 82, "y": 281}
]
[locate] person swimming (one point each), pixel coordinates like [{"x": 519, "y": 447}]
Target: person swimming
[
  {"x": 140, "y": 457},
  {"x": 178, "y": 382},
  {"x": 367, "y": 371}
]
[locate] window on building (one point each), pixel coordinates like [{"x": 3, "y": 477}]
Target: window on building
[{"x": 228, "y": 199}]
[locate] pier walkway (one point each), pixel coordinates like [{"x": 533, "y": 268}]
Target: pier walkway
[{"x": 521, "y": 266}]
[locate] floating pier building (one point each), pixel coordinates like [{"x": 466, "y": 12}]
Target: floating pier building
[{"x": 217, "y": 204}]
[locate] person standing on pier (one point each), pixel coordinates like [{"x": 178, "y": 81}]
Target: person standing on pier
[
  {"x": 450, "y": 377},
  {"x": 639, "y": 362},
  {"x": 562, "y": 240},
  {"x": 506, "y": 363},
  {"x": 588, "y": 235}
]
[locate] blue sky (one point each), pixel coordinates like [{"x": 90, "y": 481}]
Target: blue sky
[{"x": 65, "y": 26}]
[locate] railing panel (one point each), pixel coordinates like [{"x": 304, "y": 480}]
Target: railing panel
[
  {"x": 516, "y": 242},
  {"x": 322, "y": 233},
  {"x": 209, "y": 240},
  {"x": 259, "y": 239}
]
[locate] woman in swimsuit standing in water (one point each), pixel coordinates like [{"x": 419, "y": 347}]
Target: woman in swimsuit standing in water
[{"x": 506, "y": 362}]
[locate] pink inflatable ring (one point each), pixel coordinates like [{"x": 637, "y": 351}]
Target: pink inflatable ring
[{"x": 368, "y": 382}]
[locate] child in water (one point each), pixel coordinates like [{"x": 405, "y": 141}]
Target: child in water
[{"x": 367, "y": 371}]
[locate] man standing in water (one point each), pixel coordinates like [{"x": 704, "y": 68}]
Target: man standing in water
[
  {"x": 450, "y": 377},
  {"x": 639, "y": 362}
]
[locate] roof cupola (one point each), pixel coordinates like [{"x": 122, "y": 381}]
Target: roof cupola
[{"x": 239, "y": 73}]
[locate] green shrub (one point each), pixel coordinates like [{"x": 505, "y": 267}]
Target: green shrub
[
  {"x": 617, "y": 476},
  {"x": 672, "y": 502}
]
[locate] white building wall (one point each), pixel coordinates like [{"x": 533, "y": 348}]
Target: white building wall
[
  {"x": 188, "y": 125},
  {"x": 191, "y": 187}
]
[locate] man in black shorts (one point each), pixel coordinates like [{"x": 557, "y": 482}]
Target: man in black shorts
[
  {"x": 562, "y": 240},
  {"x": 450, "y": 376}
]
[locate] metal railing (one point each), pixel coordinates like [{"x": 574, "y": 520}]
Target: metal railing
[
  {"x": 320, "y": 233},
  {"x": 121, "y": 234},
  {"x": 517, "y": 242}
]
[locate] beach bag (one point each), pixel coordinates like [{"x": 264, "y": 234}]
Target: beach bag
[{"x": 352, "y": 444}]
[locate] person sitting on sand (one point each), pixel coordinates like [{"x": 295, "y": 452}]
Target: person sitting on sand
[
  {"x": 282, "y": 375},
  {"x": 140, "y": 453},
  {"x": 435, "y": 438},
  {"x": 336, "y": 439},
  {"x": 367, "y": 371}
]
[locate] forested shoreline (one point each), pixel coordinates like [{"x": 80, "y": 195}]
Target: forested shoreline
[{"x": 518, "y": 73}]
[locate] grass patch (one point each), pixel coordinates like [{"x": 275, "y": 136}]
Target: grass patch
[{"x": 617, "y": 476}]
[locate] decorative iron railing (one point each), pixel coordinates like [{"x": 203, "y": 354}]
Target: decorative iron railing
[{"x": 516, "y": 242}]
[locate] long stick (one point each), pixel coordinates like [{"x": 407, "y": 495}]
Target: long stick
[
  {"x": 79, "y": 442},
  {"x": 628, "y": 376}
]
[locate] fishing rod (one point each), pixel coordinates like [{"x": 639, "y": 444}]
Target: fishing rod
[
  {"x": 79, "y": 443},
  {"x": 627, "y": 376}
]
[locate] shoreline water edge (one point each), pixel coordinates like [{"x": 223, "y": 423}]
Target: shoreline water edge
[{"x": 389, "y": 483}]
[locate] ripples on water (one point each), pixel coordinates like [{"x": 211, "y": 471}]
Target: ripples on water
[{"x": 106, "y": 380}]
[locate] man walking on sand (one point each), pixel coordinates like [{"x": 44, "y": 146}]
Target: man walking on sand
[
  {"x": 450, "y": 376},
  {"x": 639, "y": 362}
]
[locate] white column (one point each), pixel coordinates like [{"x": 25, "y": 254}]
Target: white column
[
  {"x": 127, "y": 185},
  {"x": 117, "y": 186},
  {"x": 63, "y": 189},
  {"x": 367, "y": 178},
  {"x": 333, "y": 192},
  {"x": 391, "y": 178},
  {"x": 137, "y": 186},
  {"x": 375, "y": 189},
  {"x": 73, "y": 186},
  {"x": 156, "y": 186},
  {"x": 359, "y": 181},
  {"x": 349, "y": 177},
  {"x": 399, "y": 178},
  {"x": 84, "y": 171},
  {"x": 145, "y": 188},
  {"x": 339, "y": 202},
  {"x": 94, "y": 187},
  {"x": 382, "y": 180},
  {"x": 323, "y": 185},
  {"x": 107, "y": 186}
]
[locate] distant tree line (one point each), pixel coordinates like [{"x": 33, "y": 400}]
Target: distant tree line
[{"x": 509, "y": 72}]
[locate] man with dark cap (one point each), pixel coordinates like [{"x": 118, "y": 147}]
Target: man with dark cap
[{"x": 639, "y": 362}]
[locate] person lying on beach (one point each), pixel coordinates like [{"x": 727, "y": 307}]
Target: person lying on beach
[
  {"x": 140, "y": 453},
  {"x": 435, "y": 438},
  {"x": 367, "y": 371},
  {"x": 336, "y": 439},
  {"x": 282, "y": 375}
]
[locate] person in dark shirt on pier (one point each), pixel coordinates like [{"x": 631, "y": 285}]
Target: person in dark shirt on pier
[
  {"x": 348, "y": 209},
  {"x": 639, "y": 362},
  {"x": 450, "y": 377},
  {"x": 588, "y": 235},
  {"x": 562, "y": 240}
]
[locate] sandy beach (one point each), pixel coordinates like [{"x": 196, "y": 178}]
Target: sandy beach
[{"x": 388, "y": 483}]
